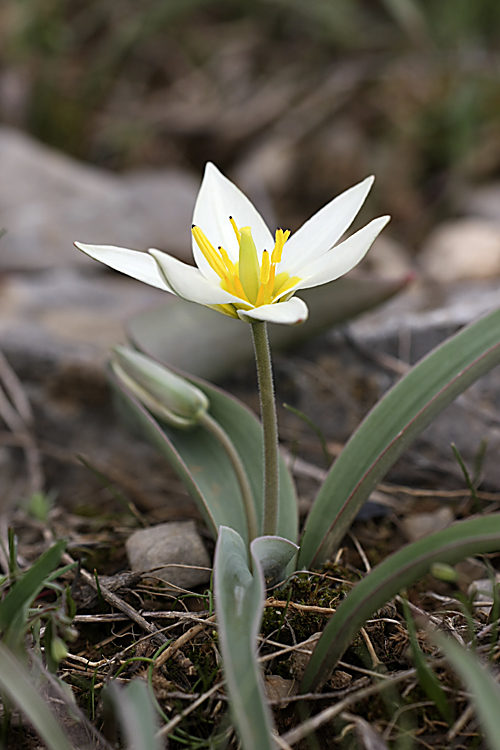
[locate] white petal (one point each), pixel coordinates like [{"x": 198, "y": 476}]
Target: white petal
[
  {"x": 288, "y": 313},
  {"x": 188, "y": 282},
  {"x": 345, "y": 256},
  {"x": 217, "y": 200},
  {"x": 131, "y": 262},
  {"x": 320, "y": 233}
]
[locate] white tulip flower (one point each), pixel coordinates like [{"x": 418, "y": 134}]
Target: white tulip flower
[{"x": 241, "y": 270}]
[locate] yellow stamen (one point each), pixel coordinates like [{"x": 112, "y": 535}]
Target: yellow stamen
[
  {"x": 209, "y": 252},
  {"x": 260, "y": 296},
  {"x": 253, "y": 283},
  {"x": 228, "y": 310},
  {"x": 265, "y": 268},
  {"x": 227, "y": 261},
  {"x": 280, "y": 237},
  {"x": 228, "y": 285},
  {"x": 268, "y": 290},
  {"x": 236, "y": 230},
  {"x": 239, "y": 288}
]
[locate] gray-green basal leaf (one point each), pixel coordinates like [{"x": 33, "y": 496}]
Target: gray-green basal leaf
[
  {"x": 407, "y": 409},
  {"x": 480, "y": 683},
  {"x": 239, "y": 599},
  {"x": 400, "y": 570},
  {"x": 204, "y": 467}
]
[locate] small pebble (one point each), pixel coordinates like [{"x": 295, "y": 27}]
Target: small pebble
[{"x": 482, "y": 591}]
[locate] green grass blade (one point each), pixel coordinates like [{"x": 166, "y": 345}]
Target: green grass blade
[
  {"x": 426, "y": 675},
  {"x": 28, "y": 586},
  {"x": 407, "y": 409},
  {"x": 239, "y": 599},
  {"x": 17, "y": 682},
  {"x": 204, "y": 467},
  {"x": 480, "y": 683},
  {"x": 400, "y": 570},
  {"x": 137, "y": 715}
]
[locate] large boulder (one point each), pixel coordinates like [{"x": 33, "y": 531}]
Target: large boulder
[{"x": 48, "y": 200}]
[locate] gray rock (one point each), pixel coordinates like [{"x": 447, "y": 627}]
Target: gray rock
[
  {"x": 48, "y": 200},
  {"x": 420, "y": 318},
  {"x": 176, "y": 545},
  {"x": 61, "y": 317},
  {"x": 408, "y": 328}
]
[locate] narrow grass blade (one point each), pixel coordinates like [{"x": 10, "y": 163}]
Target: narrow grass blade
[
  {"x": 239, "y": 599},
  {"x": 137, "y": 715},
  {"x": 400, "y": 570},
  {"x": 17, "y": 682},
  {"x": 426, "y": 675},
  {"x": 30, "y": 583},
  {"x": 204, "y": 467},
  {"x": 407, "y": 409},
  {"x": 481, "y": 684}
]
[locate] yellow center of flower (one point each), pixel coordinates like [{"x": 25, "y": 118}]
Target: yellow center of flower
[{"x": 255, "y": 284}]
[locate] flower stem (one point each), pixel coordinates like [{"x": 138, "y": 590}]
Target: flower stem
[
  {"x": 269, "y": 424},
  {"x": 241, "y": 475}
]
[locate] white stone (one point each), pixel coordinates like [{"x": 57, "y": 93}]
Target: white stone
[
  {"x": 481, "y": 591},
  {"x": 420, "y": 525},
  {"x": 462, "y": 249}
]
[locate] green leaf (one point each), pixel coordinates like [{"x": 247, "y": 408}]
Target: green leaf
[
  {"x": 400, "y": 570},
  {"x": 239, "y": 600},
  {"x": 28, "y": 586},
  {"x": 137, "y": 715},
  {"x": 274, "y": 555},
  {"x": 426, "y": 676},
  {"x": 17, "y": 682},
  {"x": 481, "y": 684},
  {"x": 204, "y": 467},
  {"x": 407, "y": 409},
  {"x": 209, "y": 345}
]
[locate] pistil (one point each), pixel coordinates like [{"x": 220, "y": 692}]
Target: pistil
[{"x": 254, "y": 283}]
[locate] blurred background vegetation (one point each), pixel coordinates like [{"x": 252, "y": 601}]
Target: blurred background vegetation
[{"x": 306, "y": 96}]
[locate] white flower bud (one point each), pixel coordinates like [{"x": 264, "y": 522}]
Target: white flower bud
[{"x": 166, "y": 395}]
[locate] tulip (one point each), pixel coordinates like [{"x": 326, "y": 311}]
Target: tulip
[{"x": 241, "y": 269}]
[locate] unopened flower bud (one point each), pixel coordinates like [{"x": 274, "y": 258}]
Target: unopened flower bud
[
  {"x": 58, "y": 650},
  {"x": 166, "y": 395},
  {"x": 444, "y": 572}
]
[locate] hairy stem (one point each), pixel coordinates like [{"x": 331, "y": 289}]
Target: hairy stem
[{"x": 270, "y": 426}]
